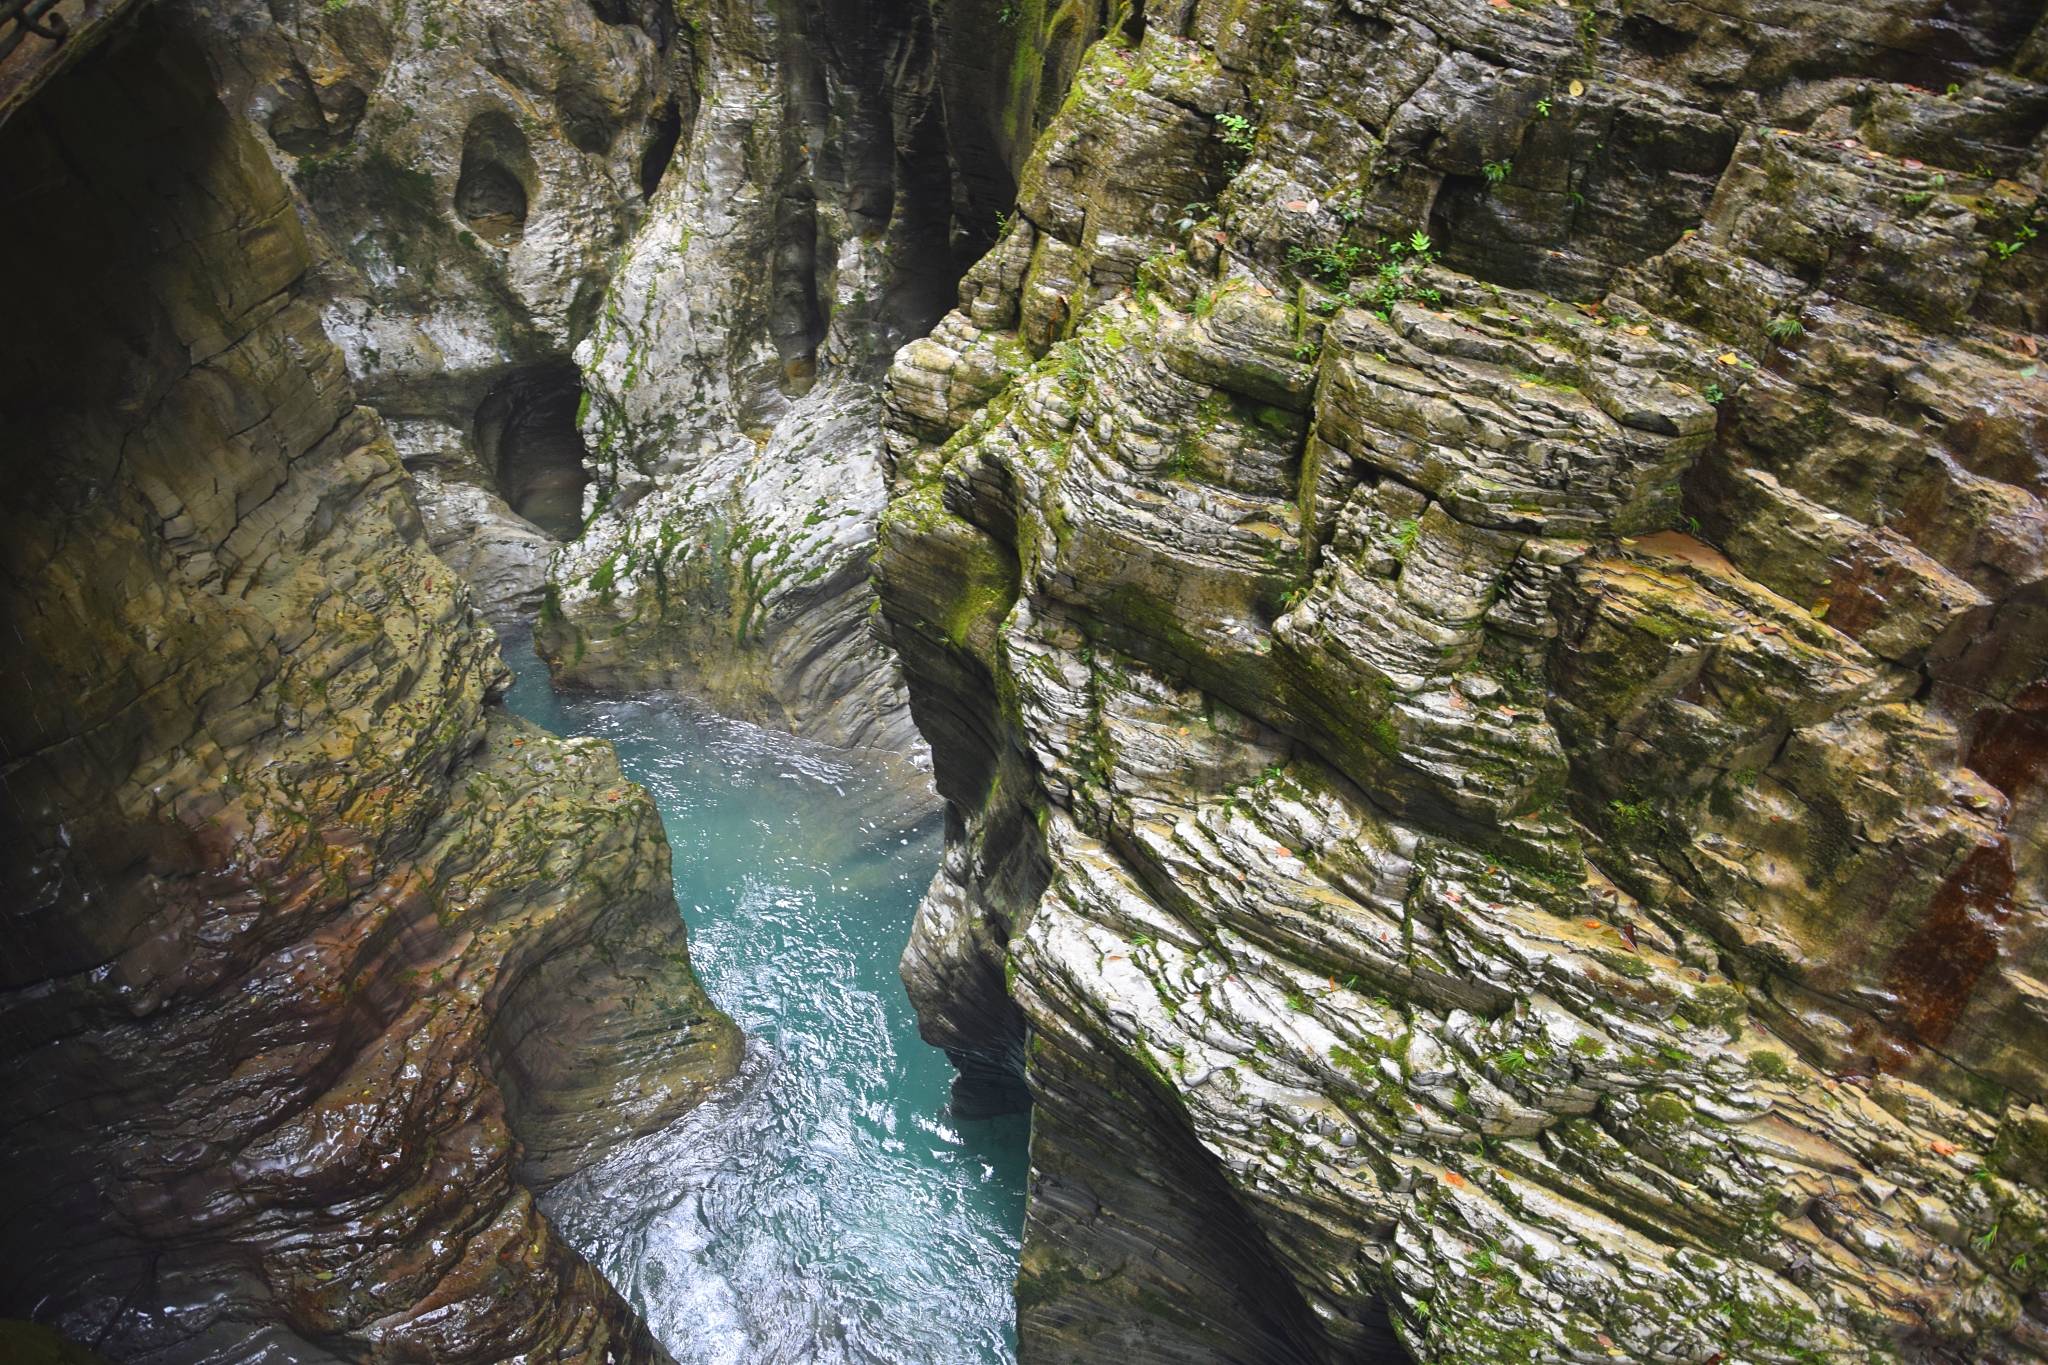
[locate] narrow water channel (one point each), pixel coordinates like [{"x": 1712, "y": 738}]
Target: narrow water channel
[{"x": 825, "y": 1207}]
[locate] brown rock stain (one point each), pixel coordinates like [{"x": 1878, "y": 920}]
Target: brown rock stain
[
  {"x": 1934, "y": 973},
  {"x": 1855, "y": 603},
  {"x": 2011, "y": 750}
]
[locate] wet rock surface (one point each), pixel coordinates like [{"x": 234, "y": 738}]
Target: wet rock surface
[
  {"x": 1474, "y": 578},
  {"x": 317, "y": 961}
]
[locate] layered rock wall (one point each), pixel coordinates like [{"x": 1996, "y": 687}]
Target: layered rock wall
[
  {"x": 1474, "y": 574},
  {"x": 316, "y": 960}
]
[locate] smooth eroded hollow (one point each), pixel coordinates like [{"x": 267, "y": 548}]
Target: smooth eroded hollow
[{"x": 492, "y": 191}]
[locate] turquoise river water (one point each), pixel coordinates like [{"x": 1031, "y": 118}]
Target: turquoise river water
[{"x": 824, "y": 1207}]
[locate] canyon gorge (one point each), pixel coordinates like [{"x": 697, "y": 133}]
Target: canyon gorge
[{"x": 1451, "y": 597}]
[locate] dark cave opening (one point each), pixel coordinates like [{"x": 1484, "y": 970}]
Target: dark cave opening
[
  {"x": 585, "y": 118},
  {"x": 527, "y": 436}
]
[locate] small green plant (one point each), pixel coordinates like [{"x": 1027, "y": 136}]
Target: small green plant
[
  {"x": 1497, "y": 171},
  {"x": 1333, "y": 264},
  {"x": 1633, "y": 820},
  {"x": 1784, "y": 327},
  {"x": 1192, "y": 215},
  {"x": 1238, "y": 132},
  {"x": 2005, "y": 251},
  {"x": 1714, "y": 394},
  {"x": 1543, "y": 108},
  {"x": 1396, "y": 278},
  {"x": 1952, "y": 91},
  {"x": 1297, "y": 1002},
  {"x": 1918, "y": 199}
]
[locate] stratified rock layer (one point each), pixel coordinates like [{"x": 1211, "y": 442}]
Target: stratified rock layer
[
  {"x": 1474, "y": 574},
  {"x": 315, "y": 958}
]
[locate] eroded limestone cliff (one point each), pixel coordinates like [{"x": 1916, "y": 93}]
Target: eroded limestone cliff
[
  {"x": 468, "y": 175},
  {"x": 315, "y": 960},
  {"x": 841, "y": 166},
  {"x": 1474, "y": 575},
  {"x": 627, "y": 274}
]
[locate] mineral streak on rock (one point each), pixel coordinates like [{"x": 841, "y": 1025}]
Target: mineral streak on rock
[
  {"x": 316, "y": 961},
  {"x": 1474, "y": 574}
]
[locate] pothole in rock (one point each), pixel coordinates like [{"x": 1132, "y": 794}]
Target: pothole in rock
[
  {"x": 497, "y": 176},
  {"x": 526, "y": 435}
]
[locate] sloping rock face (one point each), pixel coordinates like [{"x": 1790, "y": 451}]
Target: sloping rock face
[
  {"x": 1474, "y": 574},
  {"x": 316, "y": 959},
  {"x": 468, "y": 175},
  {"x": 844, "y": 164}
]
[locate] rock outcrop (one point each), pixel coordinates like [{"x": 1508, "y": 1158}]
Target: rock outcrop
[
  {"x": 627, "y": 276},
  {"x": 1475, "y": 577},
  {"x": 316, "y": 960}
]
